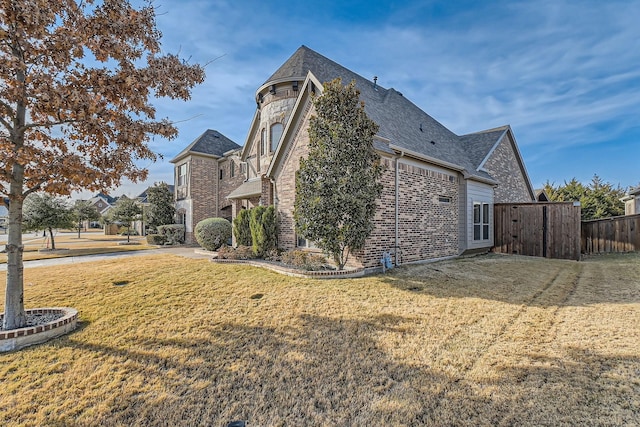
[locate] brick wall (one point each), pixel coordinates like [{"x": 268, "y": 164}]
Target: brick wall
[
  {"x": 503, "y": 167},
  {"x": 226, "y": 185},
  {"x": 428, "y": 227},
  {"x": 286, "y": 182},
  {"x": 203, "y": 182}
]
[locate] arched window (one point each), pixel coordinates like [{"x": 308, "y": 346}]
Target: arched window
[{"x": 276, "y": 133}]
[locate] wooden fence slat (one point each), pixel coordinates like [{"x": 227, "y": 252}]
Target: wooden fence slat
[
  {"x": 611, "y": 235},
  {"x": 538, "y": 229}
]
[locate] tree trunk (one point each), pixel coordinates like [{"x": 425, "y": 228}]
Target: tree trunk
[
  {"x": 128, "y": 232},
  {"x": 53, "y": 243},
  {"x": 79, "y": 227},
  {"x": 14, "y": 315}
]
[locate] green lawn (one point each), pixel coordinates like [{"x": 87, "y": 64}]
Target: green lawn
[{"x": 491, "y": 340}]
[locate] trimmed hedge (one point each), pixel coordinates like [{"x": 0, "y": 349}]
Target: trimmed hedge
[
  {"x": 173, "y": 234},
  {"x": 155, "y": 239},
  {"x": 263, "y": 226},
  {"x": 211, "y": 233}
]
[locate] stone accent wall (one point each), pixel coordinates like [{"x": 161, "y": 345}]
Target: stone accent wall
[{"x": 503, "y": 166}]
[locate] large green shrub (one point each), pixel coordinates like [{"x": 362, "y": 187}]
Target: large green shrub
[
  {"x": 173, "y": 234},
  {"x": 155, "y": 239},
  {"x": 211, "y": 233},
  {"x": 242, "y": 229},
  {"x": 263, "y": 227}
]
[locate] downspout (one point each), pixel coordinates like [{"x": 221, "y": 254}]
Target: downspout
[{"x": 397, "y": 218}]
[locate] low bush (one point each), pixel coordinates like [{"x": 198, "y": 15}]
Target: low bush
[
  {"x": 211, "y": 233},
  {"x": 304, "y": 260},
  {"x": 241, "y": 252},
  {"x": 173, "y": 234},
  {"x": 155, "y": 239}
]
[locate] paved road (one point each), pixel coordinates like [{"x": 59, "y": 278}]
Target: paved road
[{"x": 187, "y": 252}]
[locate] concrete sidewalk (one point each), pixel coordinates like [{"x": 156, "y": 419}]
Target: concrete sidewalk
[{"x": 187, "y": 252}]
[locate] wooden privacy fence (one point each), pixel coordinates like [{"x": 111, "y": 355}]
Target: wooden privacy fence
[
  {"x": 550, "y": 230},
  {"x": 617, "y": 234}
]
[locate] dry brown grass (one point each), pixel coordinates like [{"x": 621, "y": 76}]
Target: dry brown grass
[
  {"x": 492, "y": 340},
  {"x": 89, "y": 243}
]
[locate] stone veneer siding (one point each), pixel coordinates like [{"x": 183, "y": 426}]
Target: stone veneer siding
[{"x": 503, "y": 166}]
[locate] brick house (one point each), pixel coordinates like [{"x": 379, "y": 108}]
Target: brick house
[
  {"x": 206, "y": 172},
  {"x": 438, "y": 187},
  {"x": 631, "y": 201}
]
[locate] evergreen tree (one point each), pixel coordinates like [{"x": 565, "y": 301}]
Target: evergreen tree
[
  {"x": 84, "y": 210},
  {"x": 598, "y": 199},
  {"x": 337, "y": 185},
  {"x": 46, "y": 212},
  {"x": 126, "y": 211},
  {"x": 242, "y": 228},
  {"x": 161, "y": 210}
]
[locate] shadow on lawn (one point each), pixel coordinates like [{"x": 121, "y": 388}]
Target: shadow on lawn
[
  {"x": 327, "y": 371},
  {"x": 526, "y": 280}
]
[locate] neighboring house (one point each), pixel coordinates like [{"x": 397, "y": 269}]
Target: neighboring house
[
  {"x": 205, "y": 173},
  {"x": 632, "y": 202},
  {"x": 103, "y": 202},
  {"x": 438, "y": 188},
  {"x": 541, "y": 195},
  {"x": 140, "y": 225}
]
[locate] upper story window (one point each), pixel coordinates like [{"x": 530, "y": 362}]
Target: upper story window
[
  {"x": 221, "y": 173},
  {"x": 263, "y": 142},
  {"x": 182, "y": 174},
  {"x": 276, "y": 133},
  {"x": 232, "y": 167}
]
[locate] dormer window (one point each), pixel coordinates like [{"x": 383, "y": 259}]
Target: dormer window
[{"x": 276, "y": 134}]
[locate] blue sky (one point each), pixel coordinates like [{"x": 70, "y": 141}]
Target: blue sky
[{"x": 564, "y": 74}]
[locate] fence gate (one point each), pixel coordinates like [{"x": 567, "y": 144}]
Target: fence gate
[{"x": 549, "y": 230}]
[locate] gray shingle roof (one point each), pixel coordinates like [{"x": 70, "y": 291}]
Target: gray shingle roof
[
  {"x": 211, "y": 142},
  {"x": 477, "y": 145},
  {"x": 403, "y": 123}
]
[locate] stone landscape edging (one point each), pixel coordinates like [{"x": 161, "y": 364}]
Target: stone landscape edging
[
  {"x": 17, "y": 339},
  {"x": 320, "y": 274}
]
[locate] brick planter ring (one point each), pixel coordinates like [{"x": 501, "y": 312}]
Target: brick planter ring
[{"x": 17, "y": 339}]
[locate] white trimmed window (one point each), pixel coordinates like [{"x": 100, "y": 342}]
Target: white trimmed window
[
  {"x": 182, "y": 175},
  {"x": 480, "y": 221}
]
